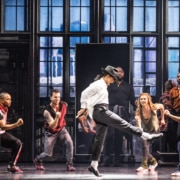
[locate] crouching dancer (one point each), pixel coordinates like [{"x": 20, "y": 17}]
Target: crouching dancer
[
  {"x": 54, "y": 125},
  {"x": 7, "y": 140},
  {"x": 95, "y": 99}
]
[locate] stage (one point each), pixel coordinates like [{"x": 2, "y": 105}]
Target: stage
[{"x": 58, "y": 171}]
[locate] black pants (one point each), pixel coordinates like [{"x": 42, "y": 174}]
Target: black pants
[
  {"x": 9, "y": 141},
  {"x": 104, "y": 118}
]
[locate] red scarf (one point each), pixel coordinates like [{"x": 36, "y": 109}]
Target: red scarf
[{"x": 3, "y": 109}]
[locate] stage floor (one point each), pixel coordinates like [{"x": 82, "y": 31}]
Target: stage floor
[{"x": 58, "y": 171}]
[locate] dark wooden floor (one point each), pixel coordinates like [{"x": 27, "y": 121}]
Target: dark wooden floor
[{"x": 58, "y": 171}]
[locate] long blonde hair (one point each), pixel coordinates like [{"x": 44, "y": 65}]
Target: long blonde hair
[{"x": 139, "y": 106}]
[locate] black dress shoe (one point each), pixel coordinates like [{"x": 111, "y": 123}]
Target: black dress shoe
[{"x": 95, "y": 172}]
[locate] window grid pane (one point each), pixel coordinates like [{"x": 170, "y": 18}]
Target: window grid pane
[
  {"x": 115, "y": 16},
  {"x": 16, "y": 15},
  {"x": 173, "y": 16},
  {"x": 150, "y": 22},
  {"x": 111, "y": 39},
  {"x": 51, "y": 16},
  {"x": 79, "y": 16},
  {"x": 144, "y": 16},
  {"x": 173, "y": 57}
]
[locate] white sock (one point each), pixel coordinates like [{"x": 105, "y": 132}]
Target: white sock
[{"x": 94, "y": 164}]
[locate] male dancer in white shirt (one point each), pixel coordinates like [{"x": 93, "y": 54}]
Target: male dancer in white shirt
[{"x": 95, "y": 99}]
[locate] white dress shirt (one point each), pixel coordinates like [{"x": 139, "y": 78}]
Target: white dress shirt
[{"x": 95, "y": 93}]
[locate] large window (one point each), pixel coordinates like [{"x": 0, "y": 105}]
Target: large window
[
  {"x": 144, "y": 65},
  {"x": 53, "y": 61},
  {"x": 51, "y": 65},
  {"x": 144, "y": 55}
]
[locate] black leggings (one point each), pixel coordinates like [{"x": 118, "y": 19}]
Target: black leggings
[{"x": 9, "y": 141}]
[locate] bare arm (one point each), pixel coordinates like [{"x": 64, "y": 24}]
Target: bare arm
[
  {"x": 82, "y": 116},
  {"x": 49, "y": 119},
  {"x": 161, "y": 108},
  {"x": 175, "y": 118},
  {"x": 138, "y": 121},
  {"x": 5, "y": 126}
]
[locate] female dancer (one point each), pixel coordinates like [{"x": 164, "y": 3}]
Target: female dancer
[{"x": 146, "y": 118}]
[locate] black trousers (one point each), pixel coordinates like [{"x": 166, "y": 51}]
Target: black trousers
[
  {"x": 7, "y": 140},
  {"x": 104, "y": 118}
]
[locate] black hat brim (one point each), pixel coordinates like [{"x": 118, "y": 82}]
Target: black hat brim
[{"x": 112, "y": 75}]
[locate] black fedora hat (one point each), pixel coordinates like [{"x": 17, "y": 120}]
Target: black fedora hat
[{"x": 112, "y": 71}]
